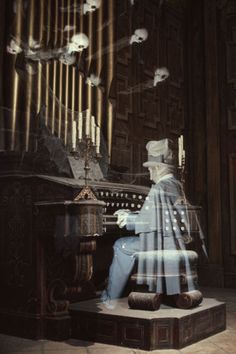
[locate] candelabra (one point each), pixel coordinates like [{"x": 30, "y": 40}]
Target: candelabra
[{"x": 85, "y": 142}]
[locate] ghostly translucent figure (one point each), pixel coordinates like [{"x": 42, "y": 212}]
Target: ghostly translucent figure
[
  {"x": 160, "y": 75},
  {"x": 78, "y": 43},
  {"x": 44, "y": 55},
  {"x": 32, "y": 51},
  {"x": 14, "y": 48},
  {"x": 93, "y": 80},
  {"x": 140, "y": 35},
  {"x": 163, "y": 231},
  {"x": 91, "y": 6},
  {"x": 67, "y": 59},
  {"x": 87, "y": 7}
]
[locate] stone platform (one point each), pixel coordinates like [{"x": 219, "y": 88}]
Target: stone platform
[{"x": 166, "y": 328}]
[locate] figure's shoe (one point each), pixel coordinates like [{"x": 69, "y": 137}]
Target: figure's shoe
[{"x": 110, "y": 304}]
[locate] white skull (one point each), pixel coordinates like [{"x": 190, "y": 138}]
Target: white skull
[
  {"x": 160, "y": 75},
  {"x": 140, "y": 35},
  {"x": 93, "y": 80},
  {"x": 91, "y": 6},
  {"x": 14, "y": 47},
  {"x": 67, "y": 59},
  {"x": 78, "y": 43}
]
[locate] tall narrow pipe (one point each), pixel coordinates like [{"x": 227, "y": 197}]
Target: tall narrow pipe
[
  {"x": 61, "y": 70},
  {"x": 55, "y": 66},
  {"x": 80, "y": 94},
  {"x": 89, "y": 61},
  {"x": 29, "y": 84},
  {"x": 99, "y": 63},
  {"x": 15, "y": 77},
  {"x": 74, "y": 22},
  {"x": 67, "y": 93},
  {"x": 47, "y": 67},
  {"x": 110, "y": 74},
  {"x": 40, "y": 38}
]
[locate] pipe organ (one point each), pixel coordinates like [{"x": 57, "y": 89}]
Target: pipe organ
[
  {"x": 47, "y": 84},
  {"x": 47, "y": 87}
]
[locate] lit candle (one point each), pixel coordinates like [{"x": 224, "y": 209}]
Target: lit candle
[
  {"x": 180, "y": 146},
  {"x": 87, "y": 126},
  {"x": 98, "y": 132},
  {"x": 74, "y": 135},
  {"x": 80, "y": 126},
  {"x": 93, "y": 127}
]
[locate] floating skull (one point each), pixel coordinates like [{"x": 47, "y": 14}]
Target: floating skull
[
  {"x": 14, "y": 48},
  {"x": 67, "y": 59},
  {"x": 91, "y": 6},
  {"x": 140, "y": 35},
  {"x": 93, "y": 80},
  {"x": 78, "y": 43},
  {"x": 161, "y": 74}
]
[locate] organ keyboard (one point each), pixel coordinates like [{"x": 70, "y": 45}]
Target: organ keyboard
[{"x": 118, "y": 197}]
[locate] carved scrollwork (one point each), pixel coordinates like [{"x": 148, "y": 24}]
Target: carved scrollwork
[{"x": 57, "y": 304}]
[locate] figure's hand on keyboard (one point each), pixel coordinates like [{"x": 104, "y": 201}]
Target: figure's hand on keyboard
[{"x": 122, "y": 215}]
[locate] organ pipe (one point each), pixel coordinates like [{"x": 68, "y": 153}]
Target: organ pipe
[
  {"x": 110, "y": 73},
  {"x": 29, "y": 83},
  {"x": 15, "y": 77}
]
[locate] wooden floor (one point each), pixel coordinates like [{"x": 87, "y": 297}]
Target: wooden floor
[{"x": 224, "y": 342}]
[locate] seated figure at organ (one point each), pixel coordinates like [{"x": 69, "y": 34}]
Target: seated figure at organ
[{"x": 163, "y": 238}]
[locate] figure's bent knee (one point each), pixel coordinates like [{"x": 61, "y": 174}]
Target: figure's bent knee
[{"x": 120, "y": 243}]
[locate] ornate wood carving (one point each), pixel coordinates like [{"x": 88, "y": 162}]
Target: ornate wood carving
[{"x": 231, "y": 70}]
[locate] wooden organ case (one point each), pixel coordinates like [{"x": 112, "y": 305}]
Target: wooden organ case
[{"x": 45, "y": 263}]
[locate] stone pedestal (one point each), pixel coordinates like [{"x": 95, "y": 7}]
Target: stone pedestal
[{"x": 166, "y": 328}]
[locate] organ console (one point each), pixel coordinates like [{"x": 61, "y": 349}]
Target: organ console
[{"x": 43, "y": 268}]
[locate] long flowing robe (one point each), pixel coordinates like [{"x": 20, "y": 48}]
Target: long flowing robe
[{"x": 164, "y": 230}]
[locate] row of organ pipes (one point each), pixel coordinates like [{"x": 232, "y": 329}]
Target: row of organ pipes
[{"x": 58, "y": 92}]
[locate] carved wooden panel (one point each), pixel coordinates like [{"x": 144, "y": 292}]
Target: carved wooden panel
[
  {"x": 232, "y": 194},
  {"x": 124, "y": 102},
  {"x": 227, "y": 74},
  {"x": 231, "y": 70},
  {"x": 175, "y": 63}
]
